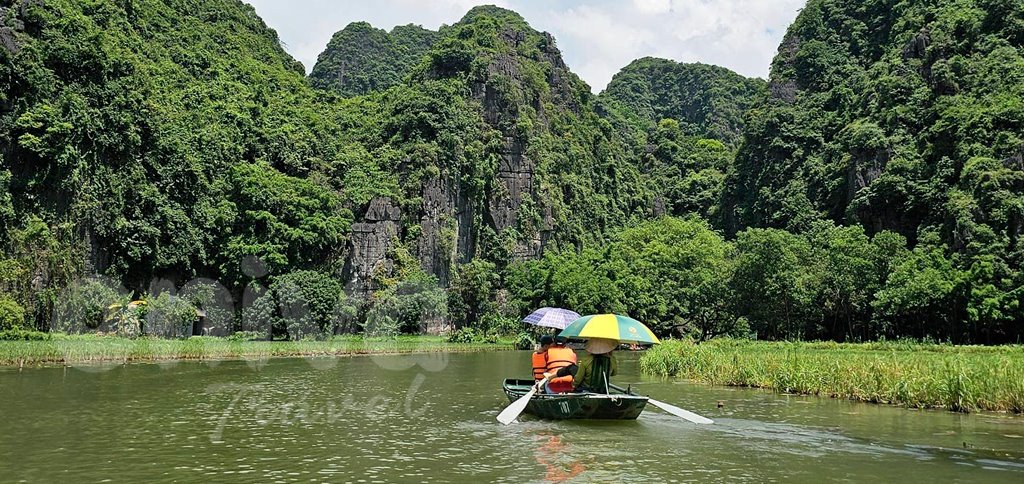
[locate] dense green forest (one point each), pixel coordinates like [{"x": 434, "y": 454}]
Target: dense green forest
[
  {"x": 707, "y": 101},
  {"x": 904, "y": 116},
  {"x": 360, "y": 59},
  {"x": 170, "y": 151}
]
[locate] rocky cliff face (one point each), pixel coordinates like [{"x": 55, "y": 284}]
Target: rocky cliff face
[
  {"x": 10, "y": 24},
  {"x": 498, "y": 192},
  {"x": 370, "y": 242}
]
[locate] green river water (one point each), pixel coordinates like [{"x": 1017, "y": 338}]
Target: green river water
[{"x": 432, "y": 418}]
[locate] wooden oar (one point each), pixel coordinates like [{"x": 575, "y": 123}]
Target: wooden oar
[
  {"x": 674, "y": 410},
  {"x": 512, "y": 411}
]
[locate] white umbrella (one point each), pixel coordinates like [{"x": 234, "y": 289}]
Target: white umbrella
[{"x": 551, "y": 317}]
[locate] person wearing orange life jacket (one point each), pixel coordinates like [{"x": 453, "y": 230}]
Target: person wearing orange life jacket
[
  {"x": 540, "y": 358},
  {"x": 561, "y": 367}
]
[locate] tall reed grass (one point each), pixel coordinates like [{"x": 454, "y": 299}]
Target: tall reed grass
[
  {"x": 67, "y": 349},
  {"x": 958, "y": 378}
]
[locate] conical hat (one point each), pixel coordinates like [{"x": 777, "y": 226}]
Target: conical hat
[{"x": 600, "y": 346}]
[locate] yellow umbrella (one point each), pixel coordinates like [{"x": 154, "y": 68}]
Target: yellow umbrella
[{"x": 610, "y": 326}]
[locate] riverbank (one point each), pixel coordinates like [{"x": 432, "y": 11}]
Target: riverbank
[
  {"x": 78, "y": 349},
  {"x": 958, "y": 378}
]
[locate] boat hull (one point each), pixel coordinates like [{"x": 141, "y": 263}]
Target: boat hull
[{"x": 615, "y": 406}]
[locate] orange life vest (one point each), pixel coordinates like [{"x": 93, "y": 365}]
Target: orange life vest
[
  {"x": 560, "y": 357},
  {"x": 540, "y": 364}
]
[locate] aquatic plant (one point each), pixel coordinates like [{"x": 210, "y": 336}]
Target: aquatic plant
[
  {"x": 958, "y": 378},
  {"x": 76, "y": 349}
]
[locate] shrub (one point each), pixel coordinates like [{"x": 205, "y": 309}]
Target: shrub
[
  {"x": 259, "y": 317},
  {"x": 411, "y": 304},
  {"x": 18, "y": 334},
  {"x": 464, "y": 336},
  {"x": 472, "y": 292},
  {"x": 418, "y": 301},
  {"x": 247, "y": 336},
  {"x": 307, "y": 303},
  {"x": 381, "y": 322},
  {"x": 169, "y": 316},
  {"x": 524, "y": 341},
  {"x": 489, "y": 337},
  {"x": 471, "y": 335},
  {"x": 216, "y": 303},
  {"x": 83, "y": 305},
  {"x": 125, "y": 319},
  {"x": 501, "y": 325},
  {"x": 12, "y": 315}
]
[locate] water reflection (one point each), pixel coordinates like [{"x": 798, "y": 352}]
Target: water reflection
[{"x": 556, "y": 456}]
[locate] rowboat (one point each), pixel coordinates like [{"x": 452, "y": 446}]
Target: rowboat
[{"x": 613, "y": 406}]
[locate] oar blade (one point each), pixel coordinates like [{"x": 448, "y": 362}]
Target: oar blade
[
  {"x": 678, "y": 412},
  {"x": 512, "y": 411}
]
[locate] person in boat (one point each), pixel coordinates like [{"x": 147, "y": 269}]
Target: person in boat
[
  {"x": 540, "y": 357},
  {"x": 561, "y": 367},
  {"x": 596, "y": 370}
]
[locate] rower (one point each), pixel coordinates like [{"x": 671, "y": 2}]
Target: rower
[{"x": 596, "y": 370}]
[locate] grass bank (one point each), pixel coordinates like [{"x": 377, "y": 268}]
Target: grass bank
[
  {"x": 67, "y": 349},
  {"x": 958, "y": 378}
]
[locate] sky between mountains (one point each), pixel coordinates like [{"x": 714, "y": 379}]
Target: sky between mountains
[{"x": 597, "y": 37}]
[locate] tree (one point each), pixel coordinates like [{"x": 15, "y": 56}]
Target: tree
[
  {"x": 672, "y": 275},
  {"x": 309, "y": 303},
  {"x": 409, "y": 305},
  {"x": 769, "y": 284},
  {"x": 993, "y": 301},
  {"x": 589, "y": 282},
  {"x": 842, "y": 269},
  {"x": 472, "y": 293},
  {"x": 919, "y": 298},
  {"x": 286, "y": 222},
  {"x": 298, "y": 305}
]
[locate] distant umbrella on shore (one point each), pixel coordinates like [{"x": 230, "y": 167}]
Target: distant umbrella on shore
[{"x": 557, "y": 318}]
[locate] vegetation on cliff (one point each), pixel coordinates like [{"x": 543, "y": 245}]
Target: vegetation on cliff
[
  {"x": 902, "y": 116},
  {"x": 707, "y": 101},
  {"x": 171, "y": 151},
  {"x": 957, "y": 378},
  {"x": 160, "y": 140},
  {"x": 361, "y": 59},
  {"x": 685, "y": 122}
]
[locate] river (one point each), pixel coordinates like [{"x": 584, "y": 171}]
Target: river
[{"x": 432, "y": 418}]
